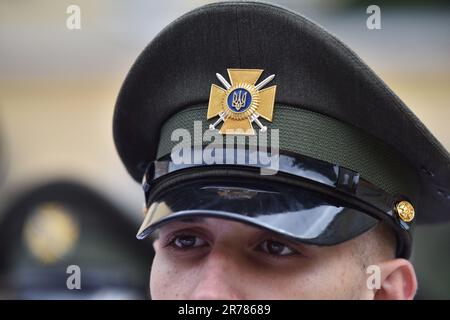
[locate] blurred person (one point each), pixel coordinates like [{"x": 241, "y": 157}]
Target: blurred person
[{"x": 63, "y": 240}]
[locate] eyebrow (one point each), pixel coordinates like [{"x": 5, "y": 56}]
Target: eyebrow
[
  {"x": 188, "y": 220},
  {"x": 192, "y": 220}
]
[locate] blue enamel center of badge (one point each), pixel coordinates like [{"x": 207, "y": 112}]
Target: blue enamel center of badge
[{"x": 239, "y": 100}]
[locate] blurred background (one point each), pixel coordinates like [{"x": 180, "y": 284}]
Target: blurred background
[{"x": 65, "y": 197}]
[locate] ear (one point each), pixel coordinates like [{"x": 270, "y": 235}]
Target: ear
[{"x": 398, "y": 280}]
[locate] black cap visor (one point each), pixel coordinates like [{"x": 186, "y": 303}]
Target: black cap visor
[{"x": 303, "y": 215}]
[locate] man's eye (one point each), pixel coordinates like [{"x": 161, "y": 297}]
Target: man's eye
[
  {"x": 187, "y": 241},
  {"x": 276, "y": 248}
]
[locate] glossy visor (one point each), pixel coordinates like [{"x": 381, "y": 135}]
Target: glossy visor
[
  {"x": 300, "y": 214},
  {"x": 308, "y": 200}
]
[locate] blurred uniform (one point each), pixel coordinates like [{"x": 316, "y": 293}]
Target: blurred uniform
[{"x": 46, "y": 230}]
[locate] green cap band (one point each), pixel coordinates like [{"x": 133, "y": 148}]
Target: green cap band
[{"x": 318, "y": 136}]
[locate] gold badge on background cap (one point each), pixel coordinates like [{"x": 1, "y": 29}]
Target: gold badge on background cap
[
  {"x": 242, "y": 102},
  {"x": 51, "y": 232}
]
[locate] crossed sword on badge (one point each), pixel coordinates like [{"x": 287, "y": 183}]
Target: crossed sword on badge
[{"x": 254, "y": 117}]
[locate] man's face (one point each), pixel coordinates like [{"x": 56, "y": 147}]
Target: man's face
[{"x": 221, "y": 259}]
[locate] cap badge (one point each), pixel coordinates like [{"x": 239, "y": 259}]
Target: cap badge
[{"x": 242, "y": 102}]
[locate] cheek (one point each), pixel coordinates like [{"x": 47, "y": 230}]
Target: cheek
[
  {"x": 341, "y": 279},
  {"x": 310, "y": 281},
  {"x": 161, "y": 279},
  {"x": 326, "y": 278},
  {"x": 169, "y": 280}
]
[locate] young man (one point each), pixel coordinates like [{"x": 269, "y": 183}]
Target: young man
[{"x": 301, "y": 185}]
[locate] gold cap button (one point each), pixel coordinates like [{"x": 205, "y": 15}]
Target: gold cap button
[{"x": 405, "y": 210}]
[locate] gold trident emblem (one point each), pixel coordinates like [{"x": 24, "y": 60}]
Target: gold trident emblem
[
  {"x": 238, "y": 101},
  {"x": 242, "y": 102}
]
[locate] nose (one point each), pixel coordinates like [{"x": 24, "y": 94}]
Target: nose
[{"x": 219, "y": 278}]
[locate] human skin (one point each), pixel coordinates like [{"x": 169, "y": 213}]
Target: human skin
[{"x": 221, "y": 259}]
